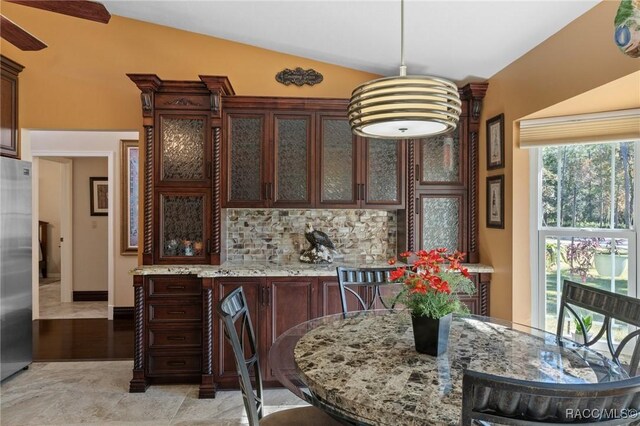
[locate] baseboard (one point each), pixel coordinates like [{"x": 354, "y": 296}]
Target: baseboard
[
  {"x": 90, "y": 296},
  {"x": 122, "y": 312}
]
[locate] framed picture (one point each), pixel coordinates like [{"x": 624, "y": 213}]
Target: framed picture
[
  {"x": 99, "y": 196},
  {"x": 129, "y": 166},
  {"x": 495, "y": 202},
  {"x": 495, "y": 142}
]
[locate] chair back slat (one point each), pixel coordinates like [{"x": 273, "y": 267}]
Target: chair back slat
[
  {"x": 234, "y": 313},
  {"x": 611, "y": 306},
  {"x": 351, "y": 280},
  {"x": 502, "y": 400}
]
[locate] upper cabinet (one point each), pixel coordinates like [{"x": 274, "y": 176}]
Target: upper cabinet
[
  {"x": 182, "y": 148},
  {"x": 442, "y": 184},
  {"x": 9, "y": 108},
  {"x": 302, "y": 154}
]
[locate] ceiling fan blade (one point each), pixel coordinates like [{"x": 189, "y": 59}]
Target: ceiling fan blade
[
  {"x": 18, "y": 37},
  {"x": 83, "y": 9}
]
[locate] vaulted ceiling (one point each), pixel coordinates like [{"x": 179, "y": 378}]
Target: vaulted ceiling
[{"x": 461, "y": 40}]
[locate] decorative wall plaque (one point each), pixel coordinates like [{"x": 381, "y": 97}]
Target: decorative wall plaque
[{"x": 299, "y": 77}]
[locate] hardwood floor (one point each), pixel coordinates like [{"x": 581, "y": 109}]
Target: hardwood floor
[{"x": 82, "y": 339}]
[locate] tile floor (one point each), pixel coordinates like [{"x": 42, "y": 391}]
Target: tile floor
[
  {"x": 95, "y": 393},
  {"x": 52, "y": 308}
]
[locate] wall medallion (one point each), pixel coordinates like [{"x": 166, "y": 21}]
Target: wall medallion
[{"x": 299, "y": 77}]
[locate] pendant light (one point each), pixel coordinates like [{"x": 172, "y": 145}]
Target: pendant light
[{"x": 406, "y": 106}]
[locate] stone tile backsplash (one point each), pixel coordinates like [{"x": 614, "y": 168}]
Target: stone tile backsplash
[{"x": 278, "y": 234}]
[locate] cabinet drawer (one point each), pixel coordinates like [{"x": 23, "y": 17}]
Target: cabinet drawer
[
  {"x": 163, "y": 287},
  {"x": 179, "y": 364},
  {"x": 175, "y": 338},
  {"x": 187, "y": 312}
]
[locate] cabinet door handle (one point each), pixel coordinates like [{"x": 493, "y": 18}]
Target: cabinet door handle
[
  {"x": 418, "y": 172},
  {"x": 418, "y": 206},
  {"x": 175, "y": 287},
  {"x": 362, "y": 191},
  {"x": 268, "y": 296},
  {"x": 208, "y": 246},
  {"x": 177, "y": 312},
  {"x": 176, "y": 363},
  {"x": 265, "y": 193},
  {"x": 175, "y": 338},
  {"x": 270, "y": 191}
]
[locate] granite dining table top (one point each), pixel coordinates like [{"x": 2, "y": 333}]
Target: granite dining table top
[{"x": 367, "y": 366}]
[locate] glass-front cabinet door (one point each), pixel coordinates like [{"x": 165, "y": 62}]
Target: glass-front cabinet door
[
  {"x": 183, "y": 154},
  {"x": 440, "y": 159},
  {"x": 337, "y": 165},
  {"x": 383, "y": 173},
  {"x": 183, "y": 231},
  {"x": 292, "y": 182},
  {"x": 245, "y": 182},
  {"x": 441, "y": 221}
]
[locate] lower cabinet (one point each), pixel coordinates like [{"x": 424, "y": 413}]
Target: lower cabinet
[
  {"x": 179, "y": 338},
  {"x": 275, "y": 305}
]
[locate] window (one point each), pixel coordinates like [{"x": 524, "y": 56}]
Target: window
[{"x": 586, "y": 227}]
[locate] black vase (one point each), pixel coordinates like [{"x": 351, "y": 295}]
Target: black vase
[{"x": 431, "y": 335}]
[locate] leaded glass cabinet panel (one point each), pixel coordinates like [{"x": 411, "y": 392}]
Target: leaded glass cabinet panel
[
  {"x": 292, "y": 155},
  {"x": 183, "y": 151},
  {"x": 182, "y": 226},
  {"x": 440, "y": 159},
  {"x": 245, "y": 159},
  {"x": 441, "y": 220},
  {"x": 383, "y": 172},
  {"x": 338, "y": 165}
]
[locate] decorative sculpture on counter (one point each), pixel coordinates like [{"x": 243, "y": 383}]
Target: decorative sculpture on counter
[
  {"x": 320, "y": 249},
  {"x": 627, "y": 28}
]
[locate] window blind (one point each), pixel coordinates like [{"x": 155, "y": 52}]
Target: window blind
[{"x": 611, "y": 126}]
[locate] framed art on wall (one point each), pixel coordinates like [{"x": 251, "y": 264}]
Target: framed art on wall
[
  {"x": 495, "y": 142},
  {"x": 99, "y": 196},
  {"x": 495, "y": 202},
  {"x": 129, "y": 167}
]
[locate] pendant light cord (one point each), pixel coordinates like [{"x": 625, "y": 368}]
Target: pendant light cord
[{"x": 403, "y": 68}]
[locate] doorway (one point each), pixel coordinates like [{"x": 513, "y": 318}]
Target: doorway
[{"x": 73, "y": 238}]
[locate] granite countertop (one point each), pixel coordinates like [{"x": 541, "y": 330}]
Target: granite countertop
[
  {"x": 267, "y": 269},
  {"x": 367, "y": 366}
]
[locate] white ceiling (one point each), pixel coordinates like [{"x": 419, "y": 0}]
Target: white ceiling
[{"x": 460, "y": 40}]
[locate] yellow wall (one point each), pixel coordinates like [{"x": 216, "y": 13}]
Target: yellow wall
[
  {"x": 79, "y": 81},
  {"x": 580, "y": 57}
]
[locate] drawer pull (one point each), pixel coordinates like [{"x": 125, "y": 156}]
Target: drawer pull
[
  {"x": 175, "y": 338},
  {"x": 175, "y": 287},
  {"x": 177, "y": 312},
  {"x": 176, "y": 363}
]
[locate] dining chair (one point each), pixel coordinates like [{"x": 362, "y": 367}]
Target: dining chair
[
  {"x": 238, "y": 331},
  {"x": 489, "y": 399},
  {"x": 612, "y": 306},
  {"x": 370, "y": 279}
]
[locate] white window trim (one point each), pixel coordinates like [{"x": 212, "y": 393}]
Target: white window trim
[{"x": 538, "y": 233}]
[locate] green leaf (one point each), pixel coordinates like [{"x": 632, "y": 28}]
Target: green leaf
[{"x": 625, "y": 11}]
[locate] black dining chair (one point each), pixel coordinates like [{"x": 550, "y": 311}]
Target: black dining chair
[
  {"x": 365, "y": 285},
  {"x": 612, "y": 306},
  {"x": 489, "y": 399},
  {"x": 238, "y": 331}
]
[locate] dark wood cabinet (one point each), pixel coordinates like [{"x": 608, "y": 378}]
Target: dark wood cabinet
[
  {"x": 182, "y": 172},
  {"x": 300, "y": 153},
  {"x": 170, "y": 330},
  {"x": 9, "y": 145},
  {"x": 275, "y": 305},
  {"x": 442, "y": 184}
]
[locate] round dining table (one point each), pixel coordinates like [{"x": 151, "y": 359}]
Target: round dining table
[{"x": 365, "y": 370}]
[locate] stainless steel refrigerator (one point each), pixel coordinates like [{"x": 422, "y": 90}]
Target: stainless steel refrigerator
[{"x": 15, "y": 265}]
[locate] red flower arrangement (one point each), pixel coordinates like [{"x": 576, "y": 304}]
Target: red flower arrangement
[{"x": 432, "y": 282}]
